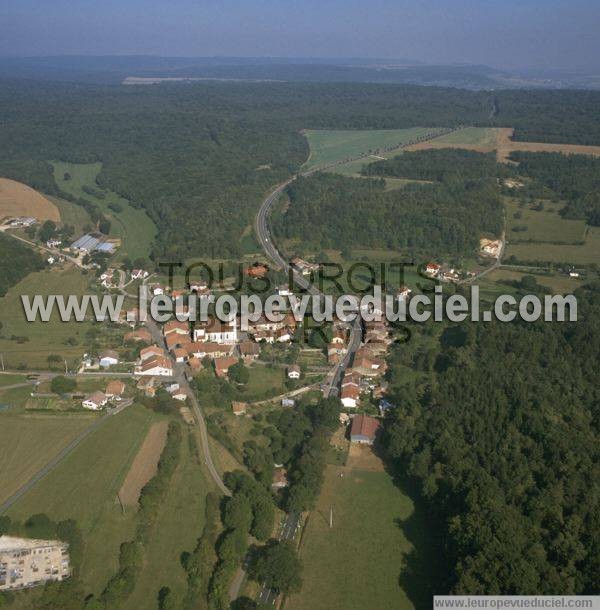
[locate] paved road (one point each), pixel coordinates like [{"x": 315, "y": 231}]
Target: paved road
[
  {"x": 180, "y": 377},
  {"x": 265, "y": 239},
  {"x": 62, "y": 454},
  {"x": 289, "y": 529}
]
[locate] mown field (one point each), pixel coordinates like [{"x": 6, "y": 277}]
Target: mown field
[
  {"x": 587, "y": 253},
  {"x": 72, "y": 214},
  {"x": 542, "y": 225},
  {"x": 328, "y": 146},
  {"x": 30, "y": 344},
  {"x": 559, "y": 284},
  {"x": 84, "y": 487},
  {"x": 28, "y": 442},
  {"x": 133, "y": 226},
  {"x": 487, "y": 139},
  {"x": 17, "y": 199},
  {"x": 376, "y": 554}
]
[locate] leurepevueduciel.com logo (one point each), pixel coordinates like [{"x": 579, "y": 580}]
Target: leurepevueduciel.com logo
[{"x": 327, "y": 293}]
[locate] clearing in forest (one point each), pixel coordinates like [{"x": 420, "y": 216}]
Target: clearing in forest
[
  {"x": 331, "y": 146},
  {"x": 17, "y": 199},
  {"x": 488, "y": 139}
]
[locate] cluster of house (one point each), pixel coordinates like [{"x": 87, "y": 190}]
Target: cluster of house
[
  {"x": 27, "y": 562},
  {"x": 369, "y": 364},
  {"x": 220, "y": 341},
  {"x": 98, "y": 400},
  {"x": 446, "y": 273},
  {"x": 304, "y": 267},
  {"x": 110, "y": 277}
]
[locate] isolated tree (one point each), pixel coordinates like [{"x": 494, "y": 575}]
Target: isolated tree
[
  {"x": 237, "y": 513},
  {"x": 62, "y": 385},
  {"x": 278, "y": 567},
  {"x": 104, "y": 226},
  {"x": 47, "y": 230},
  {"x": 239, "y": 373}
]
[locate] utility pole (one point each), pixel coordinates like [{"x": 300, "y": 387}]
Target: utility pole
[
  {"x": 2, "y": 360},
  {"x": 331, "y": 518},
  {"x": 66, "y": 371}
]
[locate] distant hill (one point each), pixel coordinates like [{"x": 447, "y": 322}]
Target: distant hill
[{"x": 116, "y": 69}]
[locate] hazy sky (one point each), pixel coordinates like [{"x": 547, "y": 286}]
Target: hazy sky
[{"x": 502, "y": 33}]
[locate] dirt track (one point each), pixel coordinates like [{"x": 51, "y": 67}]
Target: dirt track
[
  {"x": 17, "y": 199},
  {"x": 144, "y": 465}
]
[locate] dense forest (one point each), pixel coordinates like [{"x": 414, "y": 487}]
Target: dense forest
[
  {"x": 23, "y": 261},
  {"x": 573, "y": 178},
  {"x": 441, "y": 165},
  {"x": 331, "y": 211},
  {"x": 501, "y": 433},
  {"x": 199, "y": 157}
]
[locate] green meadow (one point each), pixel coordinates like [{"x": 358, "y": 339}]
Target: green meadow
[{"x": 133, "y": 226}]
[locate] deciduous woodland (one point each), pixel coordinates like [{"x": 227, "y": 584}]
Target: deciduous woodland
[
  {"x": 503, "y": 441},
  {"x": 191, "y": 155},
  {"x": 330, "y": 211}
]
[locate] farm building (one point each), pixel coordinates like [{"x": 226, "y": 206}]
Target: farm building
[
  {"x": 364, "y": 429},
  {"x": 86, "y": 243}
]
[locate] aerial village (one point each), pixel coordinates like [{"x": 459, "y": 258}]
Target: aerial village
[{"x": 182, "y": 349}]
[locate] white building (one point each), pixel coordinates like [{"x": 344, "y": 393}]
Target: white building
[
  {"x": 293, "y": 371},
  {"x": 108, "y": 358},
  {"x": 95, "y": 401},
  {"x": 215, "y": 331},
  {"x": 158, "y": 367}
]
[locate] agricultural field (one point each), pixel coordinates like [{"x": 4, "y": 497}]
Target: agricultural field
[
  {"x": 72, "y": 214},
  {"x": 376, "y": 555},
  {"x": 542, "y": 225},
  {"x": 27, "y": 442},
  {"x": 133, "y": 226},
  {"x": 264, "y": 382},
  {"x": 585, "y": 254},
  {"x": 143, "y": 467},
  {"x": 17, "y": 199},
  {"x": 11, "y": 379},
  {"x": 487, "y": 139},
  {"x": 179, "y": 524},
  {"x": 30, "y": 344},
  {"x": 84, "y": 487},
  {"x": 559, "y": 284},
  {"x": 329, "y": 146}
]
